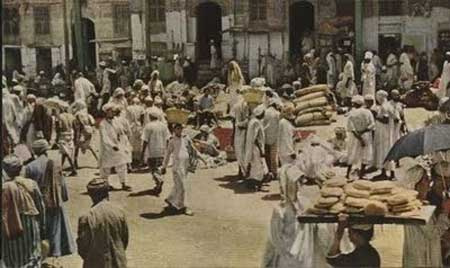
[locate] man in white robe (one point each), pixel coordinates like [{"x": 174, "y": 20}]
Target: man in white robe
[
  {"x": 9, "y": 118},
  {"x": 177, "y": 149},
  {"x": 112, "y": 153},
  {"x": 241, "y": 113},
  {"x": 254, "y": 148},
  {"x": 286, "y": 146},
  {"x": 331, "y": 73},
  {"x": 406, "y": 78},
  {"x": 271, "y": 124},
  {"x": 360, "y": 124},
  {"x": 368, "y": 75},
  {"x": 444, "y": 84},
  {"x": 134, "y": 114},
  {"x": 214, "y": 63},
  {"x": 392, "y": 70},
  {"x": 384, "y": 126},
  {"x": 349, "y": 81},
  {"x": 399, "y": 119},
  {"x": 83, "y": 89}
]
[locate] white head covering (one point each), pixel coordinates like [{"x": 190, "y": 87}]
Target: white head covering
[
  {"x": 259, "y": 110},
  {"x": 118, "y": 91},
  {"x": 205, "y": 128},
  {"x": 102, "y": 64},
  {"x": 358, "y": 99},
  {"x": 369, "y": 97},
  {"x": 39, "y": 146},
  {"x": 31, "y": 97},
  {"x": 158, "y": 100},
  {"x": 412, "y": 171},
  {"x": 108, "y": 106},
  {"x": 153, "y": 112},
  {"x": 368, "y": 55},
  {"x": 258, "y": 82}
]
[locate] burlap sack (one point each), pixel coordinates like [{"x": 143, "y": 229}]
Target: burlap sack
[
  {"x": 309, "y": 118},
  {"x": 311, "y": 89},
  {"x": 327, "y": 108},
  {"x": 319, "y": 102},
  {"x": 311, "y": 96}
]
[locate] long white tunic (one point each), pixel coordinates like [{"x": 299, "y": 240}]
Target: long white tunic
[
  {"x": 445, "y": 79},
  {"x": 110, "y": 136},
  {"x": 286, "y": 141},
  {"x": 133, "y": 116},
  {"x": 241, "y": 112},
  {"x": 422, "y": 244},
  {"x": 406, "y": 79},
  {"x": 368, "y": 74},
  {"x": 392, "y": 69},
  {"x": 349, "y": 74},
  {"x": 271, "y": 123},
  {"x": 398, "y": 114},
  {"x": 156, "y": 134},
  {"x": 83, "y": 88},
  {"x": 177, "y": 149},
  {"x": 9, "y": 119},
  {"x": 255, "y": 138},
  {"x": 383, "y": 133},
  {"x": 331, "y": 73},
  {"x": 360, "y": 120}
]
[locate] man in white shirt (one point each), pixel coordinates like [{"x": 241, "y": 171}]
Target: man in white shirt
[
  {"x": 155, "y": 137},
  {"x": 178, "y": 150},
  {"x": 112, "y": 153},
  {"x": 286, "y": 137},
  {"x": 83, "y": 89},
  {"x": 360, "y": 124},
  {"x": 271, "y": 123}
]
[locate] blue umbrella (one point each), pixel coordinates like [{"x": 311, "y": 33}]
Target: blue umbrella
[{"x": 421, "y": 142}]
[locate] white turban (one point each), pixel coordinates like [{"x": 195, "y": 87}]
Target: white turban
[
  {"x": 108, "y": 106},
  {"x": 258, "y": 82},
  {"x": 358, "y": 99},
  {"x": 118, "y": 91},
  {"x": 259, "y": 110}
]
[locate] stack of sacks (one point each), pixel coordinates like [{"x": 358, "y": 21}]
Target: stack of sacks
[
  {"x": 330, "y": 201},
  {"x": 404, "y": 202},
  {"x": 312, "y": 106}
]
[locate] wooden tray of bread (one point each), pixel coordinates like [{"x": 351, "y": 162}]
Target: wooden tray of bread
[{"x": 380, "y": 202}]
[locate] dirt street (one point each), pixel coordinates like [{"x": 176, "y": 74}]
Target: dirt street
[{"x": 229, "y": 228}]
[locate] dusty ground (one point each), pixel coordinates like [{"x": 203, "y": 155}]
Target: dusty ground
[{"x": 229, "y": 228}]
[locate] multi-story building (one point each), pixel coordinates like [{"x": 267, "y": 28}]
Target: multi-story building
[
  {"x": 247, "y": 29},
  {"x": 33, "y": 32}
]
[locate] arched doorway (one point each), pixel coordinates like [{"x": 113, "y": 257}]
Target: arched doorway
[
  {"x": 209, "y": 27},
  {"x": 301, "y": 22}
]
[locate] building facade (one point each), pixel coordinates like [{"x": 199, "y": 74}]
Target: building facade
[{"x": 33, "y": 32}]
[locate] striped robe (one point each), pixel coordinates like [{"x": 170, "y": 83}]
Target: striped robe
[{"x": 25, "y": 250}]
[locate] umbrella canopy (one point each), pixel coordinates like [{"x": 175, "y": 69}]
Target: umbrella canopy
[{"x": 421, "y": 142}]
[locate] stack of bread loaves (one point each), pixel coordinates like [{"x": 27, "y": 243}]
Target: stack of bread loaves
[
  {"x": 404, "y": 202},
  {"x": 357, "y": 196},
  {"x": 330, "y": 201}
]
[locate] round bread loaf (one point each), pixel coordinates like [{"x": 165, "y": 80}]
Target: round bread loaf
[
  {"x": 337, "y": 208},
  {"x": 335, "y": 182},
  {"x": 331, "y": 191},
  {"x": 356, "y": 202},
  {"x": 326, "y": 202},
  {"x": 376, "y": 208},
  {"x": 382, "y": 187},
  {"x": 363, "y": 185},
  {"x": 317, "y": 211},
  {"x": 351, "y": 191},
  {"x": 399, "y": 199}
]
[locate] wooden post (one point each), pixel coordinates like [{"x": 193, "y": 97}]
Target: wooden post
[
  {"x": 359, "y": 46},
  {"x": 66, "y": 38}
]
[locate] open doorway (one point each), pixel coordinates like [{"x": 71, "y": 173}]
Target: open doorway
[
  {"x": 388, "y": 43},
  {"x": 301, "y": 24},
  {"x": 209, "y": 27},
  {"x": 89, "y": 37},
  {"x": 44, "y": 60},
  {"x": 13, "y": 61}
]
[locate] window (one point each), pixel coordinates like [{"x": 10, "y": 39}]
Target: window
[
  {"x": 390, "y": 7},
  {"x": 41, "y": 20},
  {"x": 121, "y": 20},
  {"x": 258, "y": 10},
  {"x": 157, "y": 11},
  {"x": 11, "y": 21}
]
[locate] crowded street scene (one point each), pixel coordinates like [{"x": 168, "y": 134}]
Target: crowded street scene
[{"x": 269, "y": 134}]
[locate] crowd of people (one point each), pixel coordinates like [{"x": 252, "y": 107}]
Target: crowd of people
[{"x": 136, "y": 132}]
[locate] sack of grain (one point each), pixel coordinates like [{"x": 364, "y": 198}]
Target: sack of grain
[
  {"x": 319, "y": 102},
  {"x": 308, "y": 97},
  {"x": 323, "y": 122},
  {"x": 321, "y": 109},
  {"x": 311, "y": 89},
  {"x": 311, "y": 117}
]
